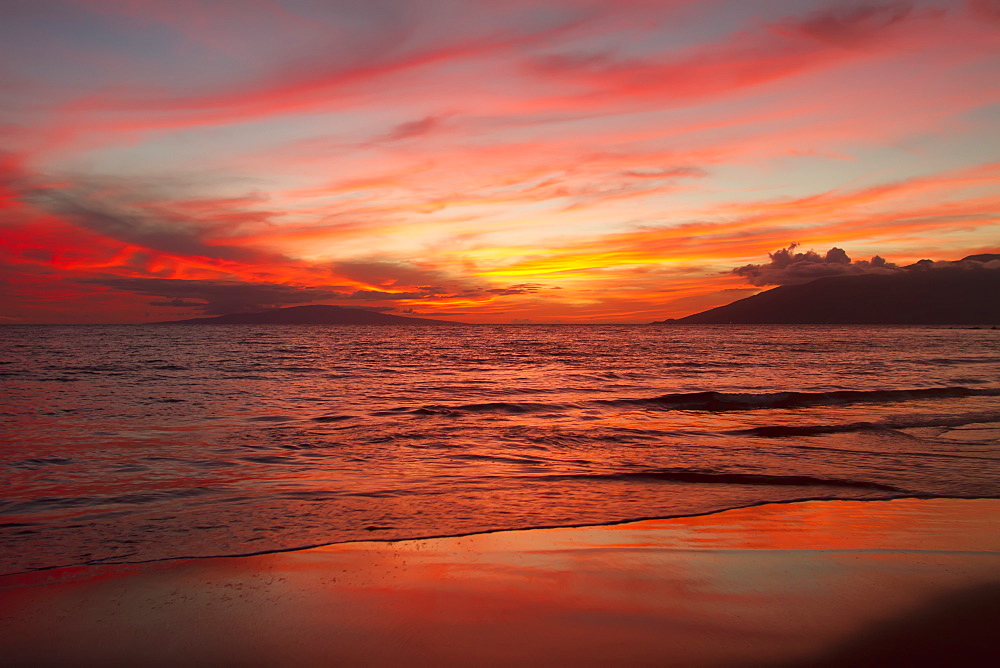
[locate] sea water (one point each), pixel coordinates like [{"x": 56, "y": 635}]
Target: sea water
[{"x": 137, "y": 443}]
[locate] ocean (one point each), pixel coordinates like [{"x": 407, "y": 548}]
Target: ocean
[{"x": 125, "y": 444}]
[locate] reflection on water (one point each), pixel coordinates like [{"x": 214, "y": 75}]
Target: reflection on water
[
  {"x": 749, "y": 587},
  {"x": 137, "y": 443}
]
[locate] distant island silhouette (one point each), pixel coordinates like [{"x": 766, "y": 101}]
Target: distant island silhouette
[
  {"x": 311, "y": 315},
  {"x": 966, "y": 292}
]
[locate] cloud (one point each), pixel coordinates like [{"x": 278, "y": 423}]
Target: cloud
[
  {"x": 216, "y": 297},
  {"x": 788, "y": 267},
  {"x": 519, "y": 289},
  {"x": 984, "y": 261},
  {"x": 399, "y": 276},
  {"x": 985, "y": 10},
  {"x": 849, "y": 26},
  {"x": 427, "y": 293},
  {"x": 121, "y": 210},
  {"x": 666, "y": 172},
  {"x": 377, "y": 309},
  {"x": 178, "y": 303},
  {"x": 410, "y": 311},
  {"x": 758, "y": 55},
  {"x": 393, "y": 43},
  {"x": 908, "y": 211},
  {"x": 168, "y": 236},
  {"x": 413, "y": 129}
]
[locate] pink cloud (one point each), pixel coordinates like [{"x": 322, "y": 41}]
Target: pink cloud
[{"x": 430, "y": 145}]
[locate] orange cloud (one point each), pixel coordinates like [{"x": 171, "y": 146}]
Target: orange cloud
[{"x": 628, "y": 155}]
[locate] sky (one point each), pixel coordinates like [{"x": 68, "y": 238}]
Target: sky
[{"x": 572, "y": 161}]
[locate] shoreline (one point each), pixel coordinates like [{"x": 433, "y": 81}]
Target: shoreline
[
  {"x": 792, "y": 583},
  {"x": 542, "y": 527}
]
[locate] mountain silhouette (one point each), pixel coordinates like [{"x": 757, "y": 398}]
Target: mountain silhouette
[
  {"x": 966, "y": 292},
  {"x": 311, "y": 315}
]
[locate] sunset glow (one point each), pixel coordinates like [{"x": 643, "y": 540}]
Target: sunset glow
[{"x": 557, "y": 161}]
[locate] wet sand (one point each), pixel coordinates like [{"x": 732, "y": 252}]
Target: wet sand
[{"x": 913, "y": 582}]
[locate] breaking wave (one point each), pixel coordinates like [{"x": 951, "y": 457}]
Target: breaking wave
[
  {"x": 892, "y": 423},
  {"x": 685, "y": 475},
  {"x": 714, "y": 401},
  {"x": 726, "y": 401}
]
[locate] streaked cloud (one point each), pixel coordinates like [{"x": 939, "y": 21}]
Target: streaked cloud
[{"x": 567, "y": 159}]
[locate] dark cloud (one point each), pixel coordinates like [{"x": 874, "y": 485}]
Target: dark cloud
[
  {"x": 214, "y": 297},
  {"x": 788, "y": 267},
  {"x": 179, "y": 303},
  {"x": 971, "y": 263},
  {"x": 120, "y": 209},
  {"x": 687, "y": 171},
  {"x": 413, "y": 129},
  {"x": 433, "y": 314},
  {"x": 986, "y": 10},
  {"x": 389, "y": 274},
  {"x": 217, "y": 297},
  {"x": 377, "y": 309},
  {"x": 432, "y": 291},
  {"x": 850, "y": 25},
  {"x": 588, "y": 60},
  {"x": 379, "y": 294},
  {"x": 519, "y": 289},
  {"x": 403, "y": 280},
  {"x": 157, "y": 231}
]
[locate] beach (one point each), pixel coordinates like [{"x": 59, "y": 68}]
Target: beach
[{"x": 810, "y": 583}]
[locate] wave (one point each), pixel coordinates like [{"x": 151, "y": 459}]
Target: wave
[
  {"x": 946, "y": 361},
  {"x": 889, "y": 424},
  {"x": 38, "y": 462},
  {"x": 726, "y": 401},
  {"x": 506, "y": 407},
  {"x": 724, "y": 478},
  {"x": 783, "y": 431},
  {"x": 54, "y": 503},
  {"x": 710, "y": 401},
  {"x": 331, "y": 418},
  {"x": 488, "y": 407}
]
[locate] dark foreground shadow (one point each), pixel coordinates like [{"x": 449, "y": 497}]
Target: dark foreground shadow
[{"x": 960, "y": 629}]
